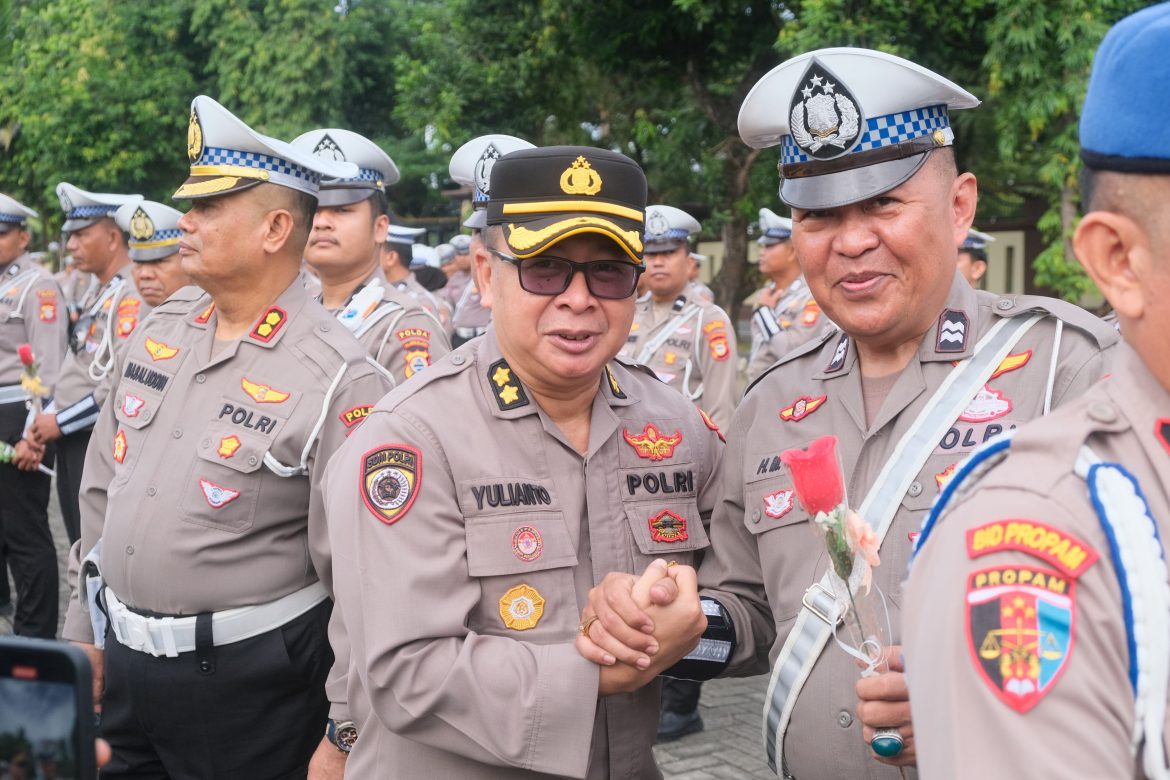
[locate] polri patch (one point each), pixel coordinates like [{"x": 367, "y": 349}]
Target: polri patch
[
  {"x": 351, "y": 417},
  {"x": 778, "y": 504},
  {"x": 390, "y": 480},
  {"x": 521, "y": 608},
  {"x": 651, "y": 444},
  {"x": 48, "y": 305},
  {"x": 1040, "y": 540},
  {"x": 527, "y": 543},
  {"x": 269, "y": 324},
  {"x": 952, "y": 331},
  {"x": 811, "y": 313},
  {"x": 801, "y": 408},
  {"x": 1020, "y": 628},
  {"x": 666, "y": 526}
]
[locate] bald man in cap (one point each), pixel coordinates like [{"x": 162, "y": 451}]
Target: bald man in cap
[
  {"x": 201, "y": 499},
  {"x": 154, "y": 249},
  {"x": 31, "y": 312},
  {"x": 1038, "y": 603},
  {"x": 922, "y": 371},
  {"x": 973, "y": 256},
  {"x": 108, "y": 313},
  {"x": 688, "y": 342},
  {"x": 465, "y": 543},
  {"x": 785, "y": 314},
  {"x": 344, "y": 247}
]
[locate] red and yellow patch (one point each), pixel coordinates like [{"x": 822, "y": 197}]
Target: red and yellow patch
[
  {"x": 944, "y": 476},
  {"x": 262, "y": 394},
  {"x": 666, "y": 526},
  {"x": 159, "y": 351},
  {"x": 269, "y": 324},
  {"x": 711, "y": 424},
  {"x": 717, "y": 343},
  {"x": 205, "y": 315},
  {"x": 1021, "y": 623},
  {"x": 127, "y": 316},
  {"x": 811, "y": 313},
  {"x": 1040, "y": 540},
  {"x": 651, "y": 444},
  {"x": 351, "y": 417},
  {"x": 120, "y": 446},
  {"x": 801, "y": 408},
  {"x": 228, "y": 446},
  {"x": 47, "y": 300},
  {"x": 390, "y": 479},
  {"x": 1011, "y": 363}
]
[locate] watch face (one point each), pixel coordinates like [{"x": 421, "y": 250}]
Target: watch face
[{"x": 346, "y": 736}]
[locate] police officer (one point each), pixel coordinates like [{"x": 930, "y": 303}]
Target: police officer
[
  {"x": 348, "y": 228},
  {"x": 154, "y": 249},
  {"x": 471, "y": 166},
  {"x": 108, "y": 313},
  {"x": 698, "y": 288},
  {"x": 924, "y": 369},
  {"x": 465, "y": 544},
  {"x": 785, "y": 315},
  {"x": 973, "y": 256},
  {"x": 30, "y": 313},
  {"x": 397, "y": 258},
  {"x": 1037, "y": 609},
  {"x": 201, "y": 503},
  {"x": 688, "y": 343}
]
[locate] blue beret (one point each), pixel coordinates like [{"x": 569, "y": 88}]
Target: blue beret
[{"x": 1125, "y": 123}]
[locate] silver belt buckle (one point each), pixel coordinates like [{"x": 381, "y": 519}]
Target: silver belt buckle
[{"x": 809, "y": 600}]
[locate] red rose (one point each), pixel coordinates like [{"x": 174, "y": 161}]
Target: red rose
[
  {"x": 26, "y": 355},
  {"x": 816, "y": 475}
]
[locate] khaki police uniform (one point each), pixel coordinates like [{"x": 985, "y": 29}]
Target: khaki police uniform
[
  {"x": 32, "y": 311},
  {"x": 795, "y": 319},
  {"x": 764, "y": 556},
  {"x": 689, "y": 345},
  {"x": 465, "y": 546},
  {"x": 1014, "y": 604},
  {"x": 470, "y": 318}
]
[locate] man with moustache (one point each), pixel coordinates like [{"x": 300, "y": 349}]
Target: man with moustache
[
  {"x": 348, "y": 228},
  {"x": 154, "y": 249}
]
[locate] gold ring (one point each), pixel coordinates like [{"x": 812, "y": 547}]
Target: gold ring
[
  {"x": 583, "y": 629},
  {"x": 672, "y": 563}
]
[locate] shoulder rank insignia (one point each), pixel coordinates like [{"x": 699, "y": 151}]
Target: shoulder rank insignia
[
  {"x": 839, "y": 355},
  {"x": 508, "y": 391},
  {"x": 666, "y": 526},
  {"x": 1020, "y": 627},
  {"x": 614, "y": 387},
  {"x": 217, "y": 496},
  {"x": 521, "y": 607},
  {"x": 801, "y": 408},
  {"x": 952, "y": 331},
  {"x": 353, "y": 416},
  {"x": 390, "y": 479},
  {"x": 160, "y": 351},
  {"x": 651, "y": 444},
  {"x": 205, "y": 315},
  {"x": 711, "y": 424},
  {"x": 120, "y": 446},
  {"x": 1040, "y": 540},
  {"x": 269, "y": 325},
  {"x": 263, "y": 394}
]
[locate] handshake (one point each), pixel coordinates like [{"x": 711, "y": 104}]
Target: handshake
[{"x": 635, "y": 628}]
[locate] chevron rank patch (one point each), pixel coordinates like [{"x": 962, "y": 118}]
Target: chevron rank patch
[
  {"x": 390, "y": 479},
  {"x": 839, "y": 355},
  {"x": 1021, "y": 623},
  {"x": 952, "y": 331}
]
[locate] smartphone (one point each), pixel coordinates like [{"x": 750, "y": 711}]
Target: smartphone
[{"x": 46, "y": 711}]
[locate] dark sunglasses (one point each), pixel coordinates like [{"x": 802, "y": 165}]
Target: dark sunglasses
[{"x": 548, "y": 275}]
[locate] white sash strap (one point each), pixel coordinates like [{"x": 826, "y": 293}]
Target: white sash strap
[
  {"x": 811, "y": 632},
  {"x": 670, "y": 329}
]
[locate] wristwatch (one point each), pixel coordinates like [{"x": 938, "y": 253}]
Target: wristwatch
[{"x": 342, "y": 733}]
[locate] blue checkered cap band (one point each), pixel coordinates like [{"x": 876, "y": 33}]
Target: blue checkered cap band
[
  {"x": 670, "y": 235},
  {"x": 777, "y": 233},
  {"x": 280, "y": 171},
  {"x": 90, "y": 212},
  {"x": 16, "y": 219},
  {"x": 159, "y": 235},
  {"x": 883, "y": 131}
]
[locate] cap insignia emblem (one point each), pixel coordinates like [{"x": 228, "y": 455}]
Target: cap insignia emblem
[
  {"x": 483, "y": 169},
  {"x": 580, "y": 178},
  {"x": 141, "y": 226},
  {"x": 656, "y": 224},
  {"x": 66, "y": 204},
  {"x": 327, "y": 149},
  {"x": 194, "y": 138},
  {"x": 824, "y": 119}
]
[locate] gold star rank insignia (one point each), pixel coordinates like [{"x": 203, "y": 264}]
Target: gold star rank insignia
[
  {"x": 502, "y": 376},
  {"x": 510, "y": 394}
]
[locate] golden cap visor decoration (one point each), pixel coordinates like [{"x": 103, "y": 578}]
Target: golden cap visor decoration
[
  {"x": 521, "y": 608},
  {"x": 542, "y": 196},
  {"x": 83, "y": 208},
  {"x": 376, "y": 170},
  {"x": 153, "y": 228},
  {"x": 13, "y": 214},
  {"x": 228, "y": 156},
  {"x": 471, "y": 166},
  {"x": 851, "y": 123},
  {"x": 668, "y": 228}
]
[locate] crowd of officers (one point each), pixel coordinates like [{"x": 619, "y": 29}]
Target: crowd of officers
[{"x": 341, "y": 502}]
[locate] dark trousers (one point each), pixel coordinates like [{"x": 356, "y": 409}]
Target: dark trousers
[
  {"x": 70, "y": 461},
  {"x": 251, "y": 709},
  {"x": 680, "y": 696},
  {"x": 24, "y": 517}
]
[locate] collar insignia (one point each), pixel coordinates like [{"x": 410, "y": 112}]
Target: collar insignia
[
  {"x": 824, "y": 116},
  {"x": 952, "y": 331},
  {"x": 263, "y": 394},
  {"x": 711, "y": 424},
  {"x": 801, "y": 408},
  {"x": 842, "y": 352},
  {"x": 614, "y": 387},
  {"x": 651, "y": 444},
  {"x": 269, "y": 324},
  {"x": 206, "y": 315},
  {"x": 580, "y": 178},
  {"x": 1162, "y": 431},
  {"x": 160, "y": 351},
  {"x": 508, "y": 391}
]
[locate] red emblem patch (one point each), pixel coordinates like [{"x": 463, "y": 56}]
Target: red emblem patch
[
  {"x": 1040, "y": 540},
  {"x": 269, "y": 325},
  {"x": 717, "y": 341},
  {"x": 127, "y": 315},
  {"x": 527, "y": 543},
  {"x": 351, "y": 417},
  {"x": 120, "y": 446},
  {"x": 650, "y": 443},
  {"x": 944, "y": 476},
  {"x": 711, "y": 424},
  {"x": 803, "y": 407},
  {"x": 778, "y": 504},
  {"x": 206, "y": 315},
  {"x": 666, "y": 526},
  {"x": 1021, "y": 622},
  {"x": 812, "y": 312},
  {"x": 48, "y": 303}
]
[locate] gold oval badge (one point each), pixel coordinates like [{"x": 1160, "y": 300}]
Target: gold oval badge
[
  {"x": 521, "y": 608},
  {"x": 194, "y": 138}
]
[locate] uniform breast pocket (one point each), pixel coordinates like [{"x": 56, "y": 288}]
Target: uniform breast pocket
[
  {"x": 524, "y": 563},
  {"x": 135, "y": 410},
  {"x": 666, "y": 529},
  {"x": 791, "y": 552},
  {"x": 223, "y": 487}
]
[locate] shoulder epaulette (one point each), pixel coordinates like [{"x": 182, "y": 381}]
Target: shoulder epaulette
[
  {"x": 812, "y": 345},
  {"x": 1071, "y": 314}
]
